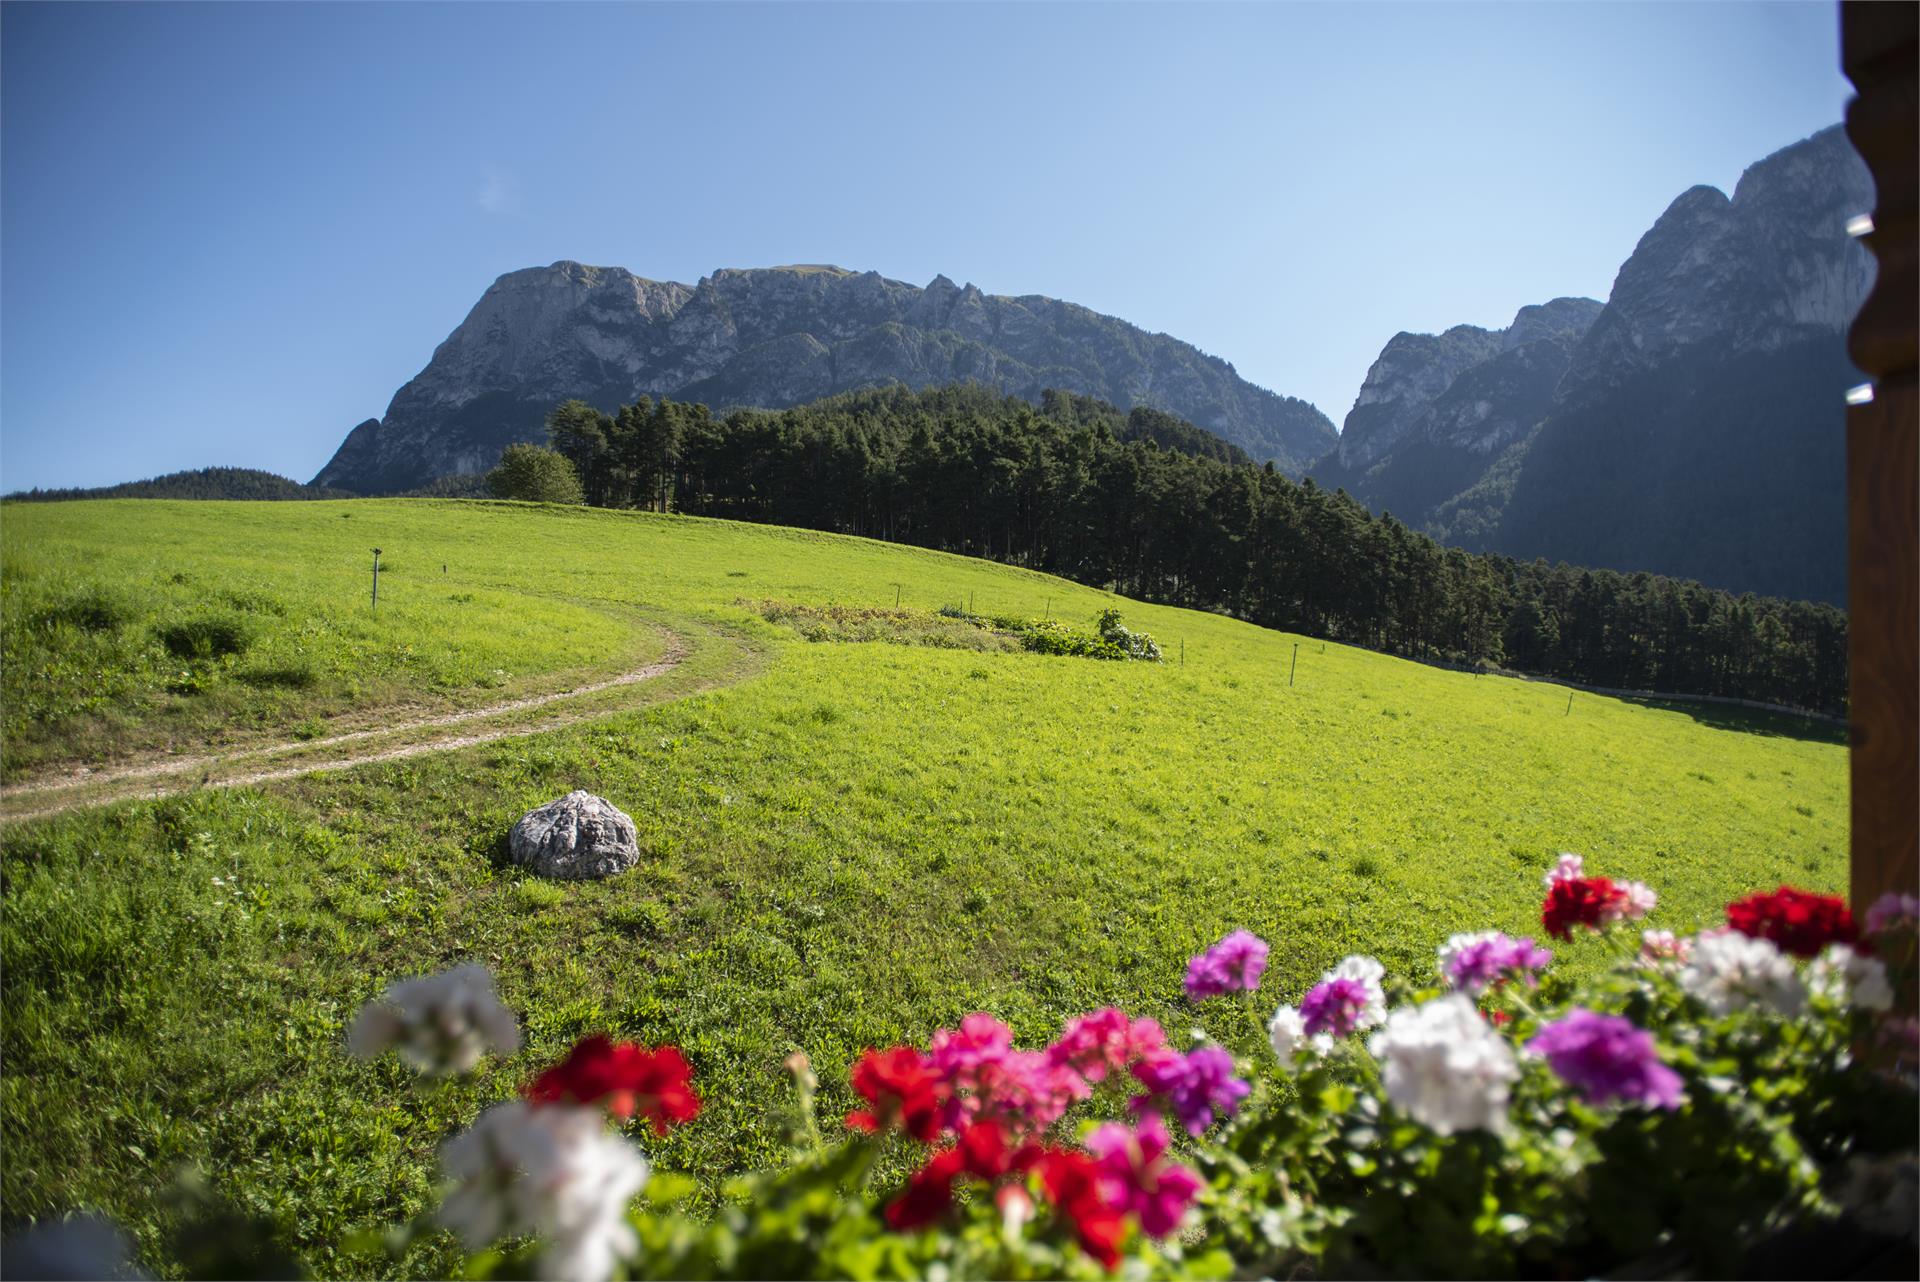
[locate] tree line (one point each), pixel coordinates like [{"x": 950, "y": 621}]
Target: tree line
[{"x": 1160, "y": 510}]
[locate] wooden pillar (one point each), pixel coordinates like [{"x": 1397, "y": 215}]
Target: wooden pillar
[{"x": 1880, "y": 52}]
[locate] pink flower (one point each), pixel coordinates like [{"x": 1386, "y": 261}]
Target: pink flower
[
  {"x": 1658, "y": 946},
  {"x": 1104, "y": 1041},
  {"x": 983, "y": 1077},
  {"x": 1235, "y": 964},
  {"x": 1640, "y": 900},
  {"x": 1135, "y": 1175},
  {"x": 1893, "y": 911},
  {"x": 1568, "y": 869}
]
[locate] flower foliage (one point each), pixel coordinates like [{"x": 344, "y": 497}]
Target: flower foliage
[{"x": 1679, "y": 1105}]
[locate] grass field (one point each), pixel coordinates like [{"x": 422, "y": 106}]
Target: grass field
[{"x": 844, "y": 843}]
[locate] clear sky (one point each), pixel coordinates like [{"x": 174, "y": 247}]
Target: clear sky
[{"x": 228, "y": 233}]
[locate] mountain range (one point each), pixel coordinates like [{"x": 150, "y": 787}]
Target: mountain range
[
  {"x": 773, "y": 338},
  {"x": 1692, "y": 426}
]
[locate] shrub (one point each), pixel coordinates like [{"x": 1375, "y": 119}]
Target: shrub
[
  {"x": 535, "y": 474},
  {"x": 91, "y": 609},
  {"x": 206, "y": 636}
]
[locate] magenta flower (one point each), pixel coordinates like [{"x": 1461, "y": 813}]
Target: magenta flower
[
  {"x": 1135, "y": 1175},
  {"x": 1104, "y": 1041},
  {"x": 1475, "y": 963},
  {"x": 1893, "y": 911},
  {"x": 1334, "y": 1007},
  {"x": 1605, "y": 1057},
  {"x": 1196, "y": 1086},
  {"x": 982, "y": 1076},
  {"x": 1235, "y": 964}
]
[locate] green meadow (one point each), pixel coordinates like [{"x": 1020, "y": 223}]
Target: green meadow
[{"x": 846, "y": 842}]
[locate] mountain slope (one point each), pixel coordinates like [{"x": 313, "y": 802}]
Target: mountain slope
[
  {"x": 1694, "y": 426},
  {"x": 777, "y": 337}
]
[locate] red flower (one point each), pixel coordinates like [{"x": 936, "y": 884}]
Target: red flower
[
  {"x": 1800, "y": 922},
  {"x": 1499, "y": 1018},
  {"x": 1581, "y": 901},
  {"x": 1072, "y": 1181},
  {"x": 628, "y": 1077},
  {"x": 929, "y": 1191},
  {"x": 901, "y": 1087},
  {"x": 981, "y": 1153}
]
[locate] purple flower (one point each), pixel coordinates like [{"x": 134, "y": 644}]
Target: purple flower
[
  {"x": 1474, "y": 963},
  {"x": 1234, "y": 964},
  {"x": 1893, "y": 911},
  {"x": 1334, "y": 1007},
  {"x": 1196, "y": 1086},
  {"x": 1605, "y": 1057}
]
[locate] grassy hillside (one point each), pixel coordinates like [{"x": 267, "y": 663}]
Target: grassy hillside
[{"x": 844, "y": 843}]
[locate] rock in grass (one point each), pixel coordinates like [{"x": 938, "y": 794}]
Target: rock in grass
[{"x": 577, "y": 837}]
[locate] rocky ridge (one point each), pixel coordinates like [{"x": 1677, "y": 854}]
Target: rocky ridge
[
  {"x": 1606, "y": 435},
  {"x": 774, "y": 337}
]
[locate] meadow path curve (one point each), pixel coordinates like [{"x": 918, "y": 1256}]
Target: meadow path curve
[{"x": 58, "y": 792}]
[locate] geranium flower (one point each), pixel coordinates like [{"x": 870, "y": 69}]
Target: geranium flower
[
  {"x": 929, "y": 1192},
  {"x": 1475, "y": 963},
  {"x": 1801, "y": 922},
  {"x": 624, "y": 1076},
  {"x": 1593, "y": 902},
  {"x": 1197, "y": 1086},
  {"x": 1730, "y": 971},
  {"x": 551, "y": 1172},
  {"x": 1138, "y": 1176},
  {"x": 1074, "y": 1185},
  {"x": 1286, "y": 1033},
  {"x": 1658, "y": 946},
  {"x": 1605, "y": 1058},
  {"x": 900, "y": 1086},
  {"x": 1333, "y": 1007},
  {"x": 1104, "y": 1041},
  {"x": 1569, "y": 867},
  {"x": 1891, "y": 912},
  {"x": 441, "y": 1024},
  {"x": 982, "y": 1152},
  {"x": 1235, "y": 964},
  {"x": 1846, "y": 975},
  {"x": 980, "y": 1075},
  {"x": 1444, "y": 1067}
]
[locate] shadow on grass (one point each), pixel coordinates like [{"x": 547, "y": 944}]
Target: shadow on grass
[{"x": 1760, "y": 721}]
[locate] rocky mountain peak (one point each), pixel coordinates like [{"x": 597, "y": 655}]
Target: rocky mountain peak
[
  {"x": 1767, "y": 268},
  {"x": 778, "y": 336}
]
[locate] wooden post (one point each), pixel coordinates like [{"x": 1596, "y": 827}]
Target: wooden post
[
  {"x": 1880, "y": 53},
  {"x": 1295, "y": 664}
]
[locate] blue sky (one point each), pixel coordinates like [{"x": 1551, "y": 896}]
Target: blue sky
[{"x": 228, "y": 233}]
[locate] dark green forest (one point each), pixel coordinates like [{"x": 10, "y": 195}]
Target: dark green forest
[
  {"x": 201, "y": 483},
  {"x": 1160, "y": 510}
]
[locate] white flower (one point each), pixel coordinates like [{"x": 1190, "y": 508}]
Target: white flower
[
  {"x": 1286, "y": 1031},
  {"x": 1444, "y": 1067},
  {"x": 1640, "y": 899},
  {"x": 1368, "y": 973},
  {"x": 1730, "y": 971},
  {"x": 1843, "y": 975},
  {"x": 440, "y": 1023},
  {"x": 551, "y": 1171},
  {"x": 1568, "y": 869}
]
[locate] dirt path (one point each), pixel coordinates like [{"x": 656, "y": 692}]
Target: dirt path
[{"x": 38, "y": 798}]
